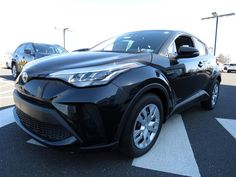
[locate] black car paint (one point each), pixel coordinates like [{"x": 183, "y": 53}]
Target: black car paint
[{"x": 97, "y": 115}]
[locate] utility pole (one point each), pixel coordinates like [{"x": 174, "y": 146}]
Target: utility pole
[
  {"x": 216, "y": 16},
  {"x": 64, "y": 34}
]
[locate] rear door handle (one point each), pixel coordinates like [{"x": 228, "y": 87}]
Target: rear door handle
[{"x": 200, "y": 64}]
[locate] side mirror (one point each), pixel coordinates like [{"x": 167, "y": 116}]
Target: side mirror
[
  {"x": 187, "y": 52},
  {"x": 27, "y": 51}
]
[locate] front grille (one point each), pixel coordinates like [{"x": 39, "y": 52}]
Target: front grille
[{"x": 48, "y": 131}]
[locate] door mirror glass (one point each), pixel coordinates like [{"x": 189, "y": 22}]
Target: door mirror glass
[{"x": 187, "y": 52}]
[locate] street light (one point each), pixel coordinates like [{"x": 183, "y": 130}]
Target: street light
[
  {"x": 215, "y": 15},
  {"x": 64, "y": 34}
]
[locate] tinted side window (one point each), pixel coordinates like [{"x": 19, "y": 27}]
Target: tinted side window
[
  {"x": 20, "y": 49},
  {"x": 60, "y": 49},
  {"x": 29, "y": 47},
  {"x": 200, "y": 46},
  {"x": 45, "y": 49}
]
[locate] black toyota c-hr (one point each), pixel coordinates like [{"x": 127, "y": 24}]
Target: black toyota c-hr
[{"x": 117, "y": 93}]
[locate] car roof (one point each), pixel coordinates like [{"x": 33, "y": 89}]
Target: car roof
[
  {"x": 162, "y": 30},
  {"x": 39, "y": 43}
]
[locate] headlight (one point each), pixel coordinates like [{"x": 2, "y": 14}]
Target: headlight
[{"x": 95, "y": 75}]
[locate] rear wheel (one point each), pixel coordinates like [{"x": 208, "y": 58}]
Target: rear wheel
[
  {"x": 214, "y": 94},
  {"x": 14, "y": 71},
  {"x": 143, "y": 126}
]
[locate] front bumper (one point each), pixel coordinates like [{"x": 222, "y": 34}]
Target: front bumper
[
  {"x": 43, "y": 123},
  {"x": 57, "y": 114}
]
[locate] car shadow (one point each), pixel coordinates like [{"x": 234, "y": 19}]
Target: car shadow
[
  {"x": 7, "y": 77},
  {"x": 29, "y": 159},
  {"x": 225, "y": 106},
  {"x": 5, "y": 107}
]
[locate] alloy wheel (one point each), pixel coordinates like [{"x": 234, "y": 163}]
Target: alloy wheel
[
  {"x": 215, "y": 94},
  {"x": 14, "y": 72},
  {"x": 146, "y": 126}
]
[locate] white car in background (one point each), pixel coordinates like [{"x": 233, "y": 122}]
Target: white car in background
[
  {"x": 225, "y": 67},
  {"x": 7, "y": 61},
  {"x": 231, "y": 67}
]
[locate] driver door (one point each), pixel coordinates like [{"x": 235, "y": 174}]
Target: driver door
[{"x": 185, "y": 73}]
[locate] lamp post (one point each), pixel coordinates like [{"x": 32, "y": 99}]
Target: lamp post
[
  {"x": 64, "y": 34},
  {"x": 216, "y": 16}
]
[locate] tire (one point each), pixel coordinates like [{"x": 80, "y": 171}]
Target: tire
[
  {"x": 147, "y": 130},
  {"x": 14, "y": 71},
  {"x": 214, "y": 95}
]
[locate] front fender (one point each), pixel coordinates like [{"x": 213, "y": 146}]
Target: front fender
[{"x": 139, "y": 81}]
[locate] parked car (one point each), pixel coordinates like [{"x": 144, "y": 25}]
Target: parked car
[
  {"x": 231, "y": 67},
  {"x": 117, "y": 93},
  {"x": 29, "y": 51},
  {"x": 225, "y": 67}
]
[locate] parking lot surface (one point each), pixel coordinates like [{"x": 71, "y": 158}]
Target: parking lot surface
[{"x": 192, "y": 143}]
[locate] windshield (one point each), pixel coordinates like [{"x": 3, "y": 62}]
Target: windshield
[
  {"x": 49, "y": 49},
  {"x": 134, "y": 42}
]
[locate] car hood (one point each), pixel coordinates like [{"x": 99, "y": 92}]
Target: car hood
[{"x": 54, "y": 63}]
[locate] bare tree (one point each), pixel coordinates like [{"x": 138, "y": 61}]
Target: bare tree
[{"x": 223, "y": 58}]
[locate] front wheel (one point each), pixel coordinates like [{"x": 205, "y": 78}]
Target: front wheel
[
  {"x": 214, "y": 94},
  {"x": 143, "y": 126}
]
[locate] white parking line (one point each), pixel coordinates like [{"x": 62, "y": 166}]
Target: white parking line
[
  {"x": 8, "y": 91},
  {"x": 172, "y": 152},
  {"x": 6, "y": 117},
  {"x": 229, "y": 125},
  {"x": 6, "y": 97},
  {"x": 7, "y": 84},
  {"x": 3, "y": 80}
]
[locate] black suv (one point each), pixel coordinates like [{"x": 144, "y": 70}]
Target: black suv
[
  {"x": 117, "y": 93},
  {"x": 29, "y": 51}
]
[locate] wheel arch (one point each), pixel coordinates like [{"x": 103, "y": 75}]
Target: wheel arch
[
  {"x": 154, "y": 88},
  {"x": 218, "y": 78}
]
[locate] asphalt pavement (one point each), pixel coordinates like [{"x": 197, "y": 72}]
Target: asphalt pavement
[{"x": 192, "y": 143}]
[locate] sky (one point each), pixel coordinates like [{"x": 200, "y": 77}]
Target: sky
[{"x": 92, "y": 21}]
